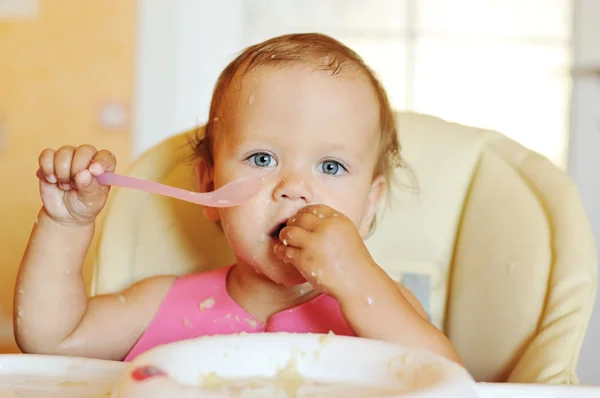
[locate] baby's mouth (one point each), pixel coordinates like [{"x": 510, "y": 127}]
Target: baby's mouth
[{"x": 277, "y": 230}]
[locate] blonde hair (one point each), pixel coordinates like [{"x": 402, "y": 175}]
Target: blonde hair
[{"x": 326, "y": 54}]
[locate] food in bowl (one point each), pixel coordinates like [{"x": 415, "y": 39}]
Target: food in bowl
[{"x": 291, "y": 365}]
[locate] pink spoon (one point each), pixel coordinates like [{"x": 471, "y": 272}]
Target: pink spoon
[{"x": 233, "y": 194}]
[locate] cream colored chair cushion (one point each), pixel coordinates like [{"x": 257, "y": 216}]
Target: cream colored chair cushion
[{"x": 494, "y": 243}]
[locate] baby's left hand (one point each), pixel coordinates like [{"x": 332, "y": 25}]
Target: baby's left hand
[{"x": 327, "y": 249}]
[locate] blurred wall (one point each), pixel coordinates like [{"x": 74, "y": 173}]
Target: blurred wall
[{"x": 60, "y": 71}]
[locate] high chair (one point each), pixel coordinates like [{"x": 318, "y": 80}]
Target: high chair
[{"x": 490, "y": 237}]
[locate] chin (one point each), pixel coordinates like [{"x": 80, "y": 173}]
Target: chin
[
  {"x": 295, "y": 281},
  {"x": 282, "y": 274}
]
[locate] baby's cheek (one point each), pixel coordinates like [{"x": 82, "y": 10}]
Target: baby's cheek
[
  {"x": 259, "y": 202},
  {"x": 225, "y": 220},
  {"x": 241, "y": 229},
  {"x": 354, "y": 214},
  {"x": 359, "y": 212}
]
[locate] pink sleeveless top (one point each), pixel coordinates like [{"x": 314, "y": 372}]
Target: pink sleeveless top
[{"x": 199, "y": 305}]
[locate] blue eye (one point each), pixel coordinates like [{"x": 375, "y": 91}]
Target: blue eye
[
  {"x": 262, "y": 159},
  {"x": 331, "y": 167}
]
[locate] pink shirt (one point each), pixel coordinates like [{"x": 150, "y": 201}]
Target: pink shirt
[{"x": 199, "y": 305}]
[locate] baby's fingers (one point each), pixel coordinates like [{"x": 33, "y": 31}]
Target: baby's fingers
[
  {"x": 46, "y": 163},
  {"x": 288, "y": 254},
  {"x": 62, "y": 166},
  {"x": 89, "y": 191},
  {"x": 104, "y": 161},
  {"x": 82, "y": 159},
  {"x": 295, "y": 236},
  {"x": 302, "y": 260},
  {"x": 304, "y": 220}
]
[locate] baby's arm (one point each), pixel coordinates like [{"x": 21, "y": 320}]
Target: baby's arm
[
  {"x": 52, "y": 312},
  {"x": 380, "y": 309},
  {"x": 326, "y": 247}
]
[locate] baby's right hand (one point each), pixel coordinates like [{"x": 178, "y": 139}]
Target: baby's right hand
[{"x": 68, "y": 187}]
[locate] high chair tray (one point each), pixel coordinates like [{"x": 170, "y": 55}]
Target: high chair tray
[
  {"x": 503, "y": 390},
  {"x": 41, "y": 376}
]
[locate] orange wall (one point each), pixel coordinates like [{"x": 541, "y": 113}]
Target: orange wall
[{"x": 55, "y": 72}]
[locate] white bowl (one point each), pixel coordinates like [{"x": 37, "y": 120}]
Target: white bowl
[{"x": 293, "y": 365}]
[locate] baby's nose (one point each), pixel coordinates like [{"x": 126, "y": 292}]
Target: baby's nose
[{"x": 293, "y": 188}]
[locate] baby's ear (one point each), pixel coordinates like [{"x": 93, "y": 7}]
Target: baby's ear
[
  {"x": 376, "y": 194},
  {"x": 205, "y": 183}
]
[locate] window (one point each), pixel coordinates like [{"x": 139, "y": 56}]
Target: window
[{"x": 498, "y": 64}]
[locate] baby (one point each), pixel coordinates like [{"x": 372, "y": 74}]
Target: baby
[{"x": 305, "y": 113}]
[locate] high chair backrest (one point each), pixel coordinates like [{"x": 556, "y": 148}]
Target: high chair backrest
[{"x": 490, "y": 237}]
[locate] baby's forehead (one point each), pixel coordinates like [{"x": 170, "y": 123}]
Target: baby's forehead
[
  {"x": 301, "y": 84},
  {"x": 277, "y": 103},
  {"x": 291, "y": 72}
]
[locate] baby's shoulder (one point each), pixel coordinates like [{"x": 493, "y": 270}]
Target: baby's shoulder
[{"x": 155, "y": 286}]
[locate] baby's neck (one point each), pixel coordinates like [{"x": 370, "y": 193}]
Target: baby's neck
[{"x": 261, "y": 297}]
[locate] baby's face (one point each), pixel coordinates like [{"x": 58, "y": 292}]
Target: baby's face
[{"x": 314, "y": 138}]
